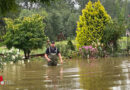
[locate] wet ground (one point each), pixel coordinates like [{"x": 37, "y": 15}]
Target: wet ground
[{"x": 98, "y": 74}]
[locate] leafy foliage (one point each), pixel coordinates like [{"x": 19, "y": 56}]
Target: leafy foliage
[
  {"x": 66, "y": 49},
  {"x": 11, "y": 55},
  {"x": 113, "y": 7},
  {"x": 83, "y": 3},
  {"x": 70, "y": 45},
  {"x": 92, "y": 51},
  {"x": 91, "y": 25},
  {"x": 25, "y": 34},
  {"x": 61, "y": 18},
  {"x": 54, "y": 24},
  {"x": 6, "y": 6},
  {"x": 113, "y": 31},
  {"x": 11, "y": 5},
  {"x": 43, "y": 1}
]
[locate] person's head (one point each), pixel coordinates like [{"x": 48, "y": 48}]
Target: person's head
[{"x": 52, "y": 44}]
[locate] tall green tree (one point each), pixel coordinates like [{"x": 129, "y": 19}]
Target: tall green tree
[
  {"x": 11, "y": 5},
  {"x": 112, "y": 33},
  {"x": 28, "y": 13},
  {"x": 7, "y": 6},
  {"x": 71, "y": 25},
  {"x": 25, "y": 34},
  {"x": 117, "y": 28},
  {"x": 54, "y": 25},
  {"x": 83, "y": 3},
  {"x": 61, "y": 18},
  {"x": 91, "y": 24},
  {"x": 113, "y": 7}
]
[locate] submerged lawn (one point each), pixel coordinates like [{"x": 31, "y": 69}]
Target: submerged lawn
[{"x": 122, "y": 43}]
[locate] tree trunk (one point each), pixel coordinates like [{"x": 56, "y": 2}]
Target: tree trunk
[
  {"x": 25, "y": 55},
  {"x": 28, "y": 54}
]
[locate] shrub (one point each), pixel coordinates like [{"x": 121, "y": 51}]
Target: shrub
[
  {"x": 25, "y": 33},
  {"x": 66, "y": 50},
  {"x": 11, "y": 55},
  {"x": 87, "y": 51},
  {"x": 112, "y": 33},
  {"x": 92, "y": 51},
  {"x": 70, "y": 45},
  {"x": 91, "y": 25}
]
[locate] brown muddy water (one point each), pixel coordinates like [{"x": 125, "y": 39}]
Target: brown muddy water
[{"x": 98, "y": 74}]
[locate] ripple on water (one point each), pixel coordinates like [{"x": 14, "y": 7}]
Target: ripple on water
[
  {"x": 69, "y": 76},
  {"x": 71, "y": 70},
  {"x": 122, "y": 87},
  {"x": 125, "y": 70},
  {"x": 45, "y": 65},
  {"x": 73, "y": 76},
  {"x": 123, "y": 84},
  {"x": 46, "y": 81}
]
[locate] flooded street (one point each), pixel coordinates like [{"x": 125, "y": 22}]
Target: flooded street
[{"x": 98, "y": 74}]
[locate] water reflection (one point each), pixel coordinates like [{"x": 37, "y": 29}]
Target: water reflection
[
  {"x": 109, "y": 74},
  {"x": 53, "y": 77},
  {"x": 62, "y": 77},
  {"x": 125, "y": 83},
  {"x": 102, "y": 74}
]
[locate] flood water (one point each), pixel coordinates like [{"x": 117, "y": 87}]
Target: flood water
[{"x": 98, "y": 74}]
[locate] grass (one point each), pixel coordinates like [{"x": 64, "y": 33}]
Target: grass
[
  {"x": 40, "y": 51},
  {"x": 37, "y": 51},
  {"x": 3, "y": 48},
  {"x": 123, "y": 42},
  {"x": 65, "y": 42}
]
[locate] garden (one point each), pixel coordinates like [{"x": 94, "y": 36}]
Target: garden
[
  {"x": 93, "y": 37},
  {"x": 96, "y": 35}
]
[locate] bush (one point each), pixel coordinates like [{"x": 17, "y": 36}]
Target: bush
[
  {"x": 112, "y": 33},
  {"x": 87, "y": 51},
  {"x": 70, "y": 45},
  {"x": 91, "y": 25},
  {"x": 25, "y": 33},
  {"x": 92, "y": 51},
  {"x": 11, "y": 55},
  {"x": 67, "y": 50}
]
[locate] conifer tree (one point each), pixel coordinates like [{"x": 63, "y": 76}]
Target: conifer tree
[{"x": 91, "y": 24}]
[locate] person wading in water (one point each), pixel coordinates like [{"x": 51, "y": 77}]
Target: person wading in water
[{"x": 51, "y": 55}]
